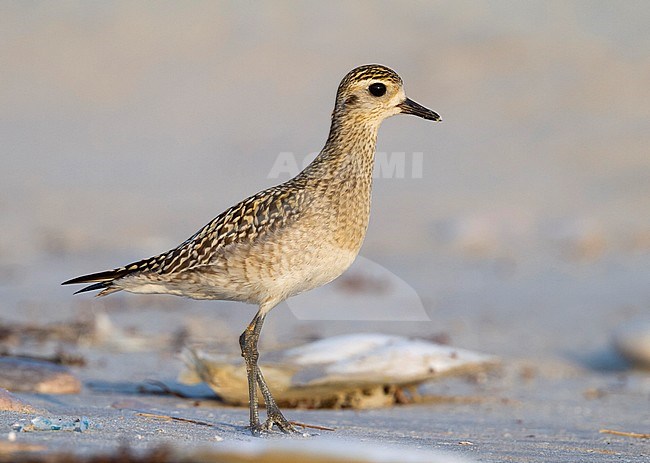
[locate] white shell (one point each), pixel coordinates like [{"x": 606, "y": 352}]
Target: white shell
[{"x": 353, "y": 370}]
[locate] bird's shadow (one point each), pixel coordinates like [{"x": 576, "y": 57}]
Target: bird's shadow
[
  {"x": 198, "y": 392},
  {"x": 605, "y": 360}
]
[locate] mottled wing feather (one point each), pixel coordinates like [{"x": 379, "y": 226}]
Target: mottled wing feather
[
  {"x": 243, "y": 223},
  {"x": 247, "y": 221}
]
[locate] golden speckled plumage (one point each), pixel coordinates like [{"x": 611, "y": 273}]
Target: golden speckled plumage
[{"x": 287, "y": 239}]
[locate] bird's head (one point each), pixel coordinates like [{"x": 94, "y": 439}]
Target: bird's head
[{"x": 374, "y": 92}]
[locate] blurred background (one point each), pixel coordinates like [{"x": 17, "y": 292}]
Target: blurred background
[{"x": 126, "y": 126}]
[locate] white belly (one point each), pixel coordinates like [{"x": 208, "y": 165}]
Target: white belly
[{"x": 323, "y": 267}]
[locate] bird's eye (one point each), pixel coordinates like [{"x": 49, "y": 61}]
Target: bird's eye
[{"x": 377, "y": 89}]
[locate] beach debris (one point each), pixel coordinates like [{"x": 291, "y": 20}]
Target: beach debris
[
  {"x": 298, "y": 424},
  {"x": 632, "y": 341},
  {"x": 95, "y": 329},
  {"x": 19, "y": 374},
  {"x": 41, "y": 423},
  {"x": 173, "y": 418},
  {"x": 10, "y": 403},
  {"x": 636, "y": 435},
  {"x": 348, "y": 371},
  {"x": 59, "y": 357},
  {"x": 70, "y": 331}
]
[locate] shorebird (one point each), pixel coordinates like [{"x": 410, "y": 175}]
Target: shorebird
[{"x": 284, "y": 240}]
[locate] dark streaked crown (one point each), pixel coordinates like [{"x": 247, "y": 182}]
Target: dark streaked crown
[{"x": 368, "y": 71}]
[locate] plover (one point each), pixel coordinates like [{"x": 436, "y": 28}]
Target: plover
[{"x": 286, "y": 239}]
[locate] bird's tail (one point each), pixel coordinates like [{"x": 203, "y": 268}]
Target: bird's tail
[{"x": 101, "y": 281}]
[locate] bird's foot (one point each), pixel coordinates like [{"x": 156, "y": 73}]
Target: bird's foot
[
  {"x": 259, "y": 430},
  {"x": 274, "y": 419},
  {"x": 283, "y": 425}
]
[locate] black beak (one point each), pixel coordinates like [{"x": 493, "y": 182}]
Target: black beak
[{"x": 409, "y": 106}]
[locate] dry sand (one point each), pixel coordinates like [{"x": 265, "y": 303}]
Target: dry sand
[{"x": 526, "y": 233}]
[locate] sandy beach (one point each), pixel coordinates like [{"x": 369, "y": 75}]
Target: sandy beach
[{"x": 519, "y": 227}]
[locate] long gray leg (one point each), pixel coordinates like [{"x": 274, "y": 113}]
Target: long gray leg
[
  {"x": 248, "y": 342},
  {"x": 249, "y": 351}
]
